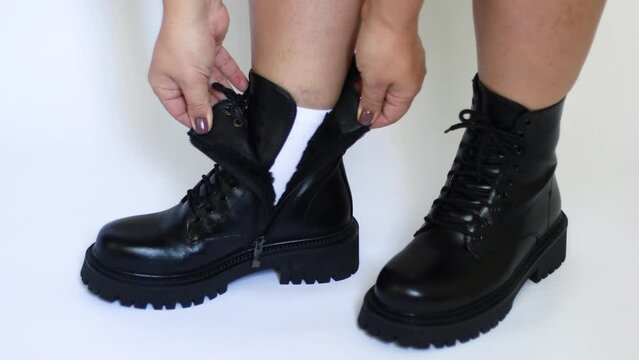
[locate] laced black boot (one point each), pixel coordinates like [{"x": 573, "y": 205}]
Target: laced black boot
[
  {"x": 497, "y": 223},
  {"x": 227, "y": 226}
]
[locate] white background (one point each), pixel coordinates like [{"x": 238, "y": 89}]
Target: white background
[{"x": 84, "y": 141}]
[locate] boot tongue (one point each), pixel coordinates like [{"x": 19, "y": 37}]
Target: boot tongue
[
  {"x": 271, "y": 114},
  {"x": 502, "y": 111}
]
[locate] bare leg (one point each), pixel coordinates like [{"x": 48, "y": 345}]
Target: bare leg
[
  {"x": 305, "y": 46},
  {"x": 531, "y": 51}
]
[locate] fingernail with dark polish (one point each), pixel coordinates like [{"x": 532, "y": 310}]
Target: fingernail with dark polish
[
  {"x": 201, "y": 125},
  {"x": 366, "y": 118}
]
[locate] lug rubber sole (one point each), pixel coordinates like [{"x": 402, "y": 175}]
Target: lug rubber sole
[
  {"x": 319, "y": 259},
  {"x": 474, "y": 319}
]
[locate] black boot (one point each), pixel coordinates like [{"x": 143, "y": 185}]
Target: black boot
[
  {"x": 497, "y": 223},
  {"x": 227, "y": 226}
]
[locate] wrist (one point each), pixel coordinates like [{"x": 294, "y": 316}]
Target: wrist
[
  {"x": 388, "y": 15},
  {"x": 187, "y": 12}
]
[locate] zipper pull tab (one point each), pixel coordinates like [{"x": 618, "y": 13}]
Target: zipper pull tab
[{"x": 257, "y": 251}]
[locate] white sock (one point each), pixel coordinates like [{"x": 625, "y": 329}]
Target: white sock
[{"x": 306, "y": 123}]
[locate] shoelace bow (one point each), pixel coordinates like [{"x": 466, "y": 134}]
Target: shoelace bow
[
  {"x": 209, "y": 194},
  {"x": 474, "y": 174}
]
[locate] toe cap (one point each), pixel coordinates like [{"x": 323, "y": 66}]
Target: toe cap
[
  {"x": 428, "y": 280},
  {"x": 146, "y": 244}
]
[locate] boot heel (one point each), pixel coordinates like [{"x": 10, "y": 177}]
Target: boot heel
[
  {"x": 321, "y": 264},
  {"x": 551, "y": 259}
]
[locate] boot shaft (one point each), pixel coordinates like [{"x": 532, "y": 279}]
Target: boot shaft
[
  {"x": 530, "y": 201},
  {"x": 318, "y": 197},
  {"x": 502, "y": 185},
  {"x": 538, "y": 130},
  {"x": 245, "y": 141}
]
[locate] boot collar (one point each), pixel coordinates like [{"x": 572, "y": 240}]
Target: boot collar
[{"x": 502, "y": 111}]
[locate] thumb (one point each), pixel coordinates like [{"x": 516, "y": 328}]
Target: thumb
[
  {"x": 371, "y": 102},
  {"x": 198, "y": 105}
]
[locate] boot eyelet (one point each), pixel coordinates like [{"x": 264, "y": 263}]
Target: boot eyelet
[
  {"x": 516, "y": 168},
  {"x": 520, "y": 134},
  {"x": 518, "y": 149},
  {"x": 237, "y": 123},
  {"x": 226, "y": 112}
]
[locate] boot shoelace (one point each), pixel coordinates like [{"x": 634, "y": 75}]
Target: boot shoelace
[
  {"x": 475, "y": 174},
  {"x": 208, "y": 197},
  {"x": 238, "y": 100}
]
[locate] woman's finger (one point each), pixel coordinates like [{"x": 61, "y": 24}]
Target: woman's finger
[
  {"x": 198, "y": 102},
  {"x": 371, "y": 101},
  {"x": 218, "y": 77},
  {"x": 176, "y": 107},
  {"x": 230, "y": 70},
  {"x": 396, "y": 105}
]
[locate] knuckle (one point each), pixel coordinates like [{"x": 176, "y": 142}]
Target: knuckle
[
  {"x": 226, "y": 61},
  {"x": 192, "y": 78},
  {"x": 417, "y": 88},
  {"x": 195, "y": 106},
  {"x": 372, "y": 102},
  {"x": 153, "y": 80},
  {"x": 155, "y": 89},
  {"x": 374, "y": 85}
]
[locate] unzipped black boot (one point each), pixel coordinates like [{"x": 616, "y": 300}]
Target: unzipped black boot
[
  {"x": 497, "y": 223},
  {"x": 227, "y": 226}
]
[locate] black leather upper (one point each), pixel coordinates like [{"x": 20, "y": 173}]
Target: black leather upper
[
  {"x": 500, "y": 197},
  {"x": 233, "y": 205}
]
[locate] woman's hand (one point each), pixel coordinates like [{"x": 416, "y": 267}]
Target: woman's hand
[
  {"x": 188, "y": 57},
  {"x": 391, "y": 61}
]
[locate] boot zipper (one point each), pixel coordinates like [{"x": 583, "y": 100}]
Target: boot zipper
[
  {"x": 257, "y": 251},
  {"x": 258, "y": 244}
]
